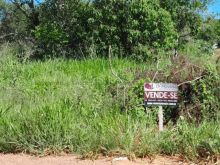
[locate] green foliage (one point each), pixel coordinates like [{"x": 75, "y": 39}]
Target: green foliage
[
  {"x": 17, "y": 19},
  {"x": 210, "y": 31},
  {"x": 207, "y": 94},
  {"x": 185, "y": 14},
  {"x": 51, "y": 38},
  {"x": 199, "y": 92},
  {"x": 132, "y": 23},
  {"x": 125, "y": 25},
  {"x": 132, "y": 28},
  {"x": 96, "y": 105},
  {"x": 65, "y": 28},
  {"x": 70, "y": 106},
  {"x": 9, "y": 22},
  {"x": 198, "y": 48},
  {"x": 50, "y": 33}
]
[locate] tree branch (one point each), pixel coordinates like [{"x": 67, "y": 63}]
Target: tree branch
[
  {"x": 6, "y": 35},
  {"x": 189, "y": 82},
  {"x": 19, "y": 6}
]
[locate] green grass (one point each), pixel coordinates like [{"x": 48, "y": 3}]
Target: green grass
[{"x": 60, "y": 105}]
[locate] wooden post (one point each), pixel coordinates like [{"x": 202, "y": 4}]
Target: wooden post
[{"x": 160, "y": 116}]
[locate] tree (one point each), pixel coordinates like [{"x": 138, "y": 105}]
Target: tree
[
  {"x": 186, "y": 15},
  {"x": 210, "y": 30},
  {"x": 30, "y": 10},
  {"x": 65, "y": 27},
  {"x": 18, "y": 18},
  {"x": 124, "y": 24},
  {"x": 71, "y": 27},
  {"x": 128, "y": 24}
]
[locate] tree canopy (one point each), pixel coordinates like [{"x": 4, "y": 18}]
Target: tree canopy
[{"x": 68, "y": 27}]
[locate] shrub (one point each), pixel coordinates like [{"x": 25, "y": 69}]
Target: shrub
[
  {"x": 51, "y": 38},
  {"x": 74, "y": 26},
  {"x": 198, "y": 90},
  {"x": 65, "y": 28},
  {"x": 129, "y": 24}
]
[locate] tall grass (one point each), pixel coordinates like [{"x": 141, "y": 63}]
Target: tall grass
[{"x": 64, "y": 105}]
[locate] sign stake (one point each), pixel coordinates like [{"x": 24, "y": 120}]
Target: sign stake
[
  {"x": 159, "y": 94},
  {"x": 160, "y": 116}
]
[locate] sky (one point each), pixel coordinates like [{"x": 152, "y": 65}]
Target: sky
[{"x": 214, "y": 7}]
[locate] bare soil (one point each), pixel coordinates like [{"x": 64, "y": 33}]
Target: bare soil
[{"x": 22, "y": 159}]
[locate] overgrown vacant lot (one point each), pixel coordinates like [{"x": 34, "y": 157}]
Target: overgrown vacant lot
[
  {"x": 72, "y": 74},
  {"x": 86, "y": 107}
]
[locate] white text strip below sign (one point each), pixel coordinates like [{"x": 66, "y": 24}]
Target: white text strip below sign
[{"x": 160, "y": 94}]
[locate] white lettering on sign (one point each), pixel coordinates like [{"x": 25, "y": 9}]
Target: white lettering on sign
[{"x": 160, "y": 94}]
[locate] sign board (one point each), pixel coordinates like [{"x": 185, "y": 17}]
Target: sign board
[{"x": 160, "y": 94}]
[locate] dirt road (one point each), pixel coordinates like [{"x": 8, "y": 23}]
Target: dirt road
[{"x": 21, "y": 159}]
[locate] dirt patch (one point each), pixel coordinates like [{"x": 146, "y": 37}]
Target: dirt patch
[{"x": 21, "y": 159}]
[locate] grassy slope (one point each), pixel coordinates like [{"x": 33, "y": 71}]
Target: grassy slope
[{"x": 58, "y": 105}]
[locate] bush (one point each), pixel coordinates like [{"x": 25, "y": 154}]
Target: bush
[
  {"x": 75, "y": 26},
  {"x": 51, "y": 38},
  {"x": 197, "y": 48},
  {"x": 79, "y": 106},
  {"x": 128, "y": 24},
  {"x": 65, "y": 28},
  {"x": 198, "y": 90}
]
